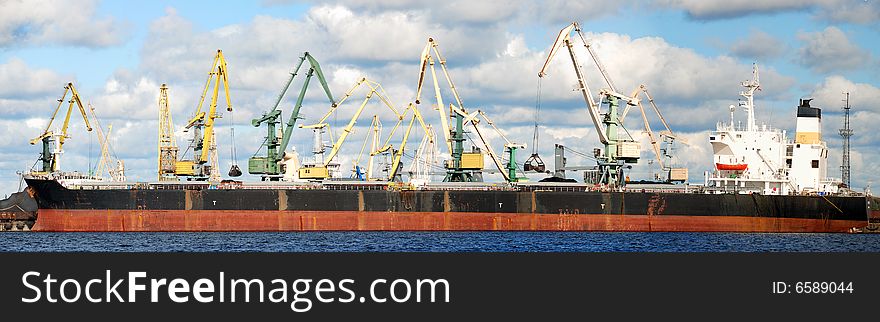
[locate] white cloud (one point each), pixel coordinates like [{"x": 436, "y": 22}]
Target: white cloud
[
  {"x": 852, "y": 11},
  {"x": 829, "y": 95},
  {"x": 758, "y": 45},
  {"x": 671, "y": 73},
  {"x": 128, "y": 99},
  {"x": 18, "y": 80},
  {"x": 567, "y": 11},
  {"x": 829, "y": 50},
  {"x": 57, "y": 22},
  {"x": 24, "y": 90},
  {"x": 456, "y": 11},
  {"x": 715, "y": 9}
]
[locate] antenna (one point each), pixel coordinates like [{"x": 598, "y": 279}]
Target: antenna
[{"x": 846, "y": 132}]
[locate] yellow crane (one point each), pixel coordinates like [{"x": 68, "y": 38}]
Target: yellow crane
[
  {"x": 394, "y": 173},
  {"x": 167, "y": 146},
  {"x": 51, "y": 157},
  {"x": 373, "y": 139},
  {"x": 319, "y": 170},
  {"x": 202, "y": 124}
]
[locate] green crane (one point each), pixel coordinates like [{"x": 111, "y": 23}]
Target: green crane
[{"x": 269, "y": 166}]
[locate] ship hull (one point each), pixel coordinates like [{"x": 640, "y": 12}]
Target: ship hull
[
  {"x": 69, "y": 220},
  {"x": 62, "y": 209}
]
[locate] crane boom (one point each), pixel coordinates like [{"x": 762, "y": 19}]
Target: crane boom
[
  {"x": 642, "y": 89},
  {"x": 106, "y": 162},
  {"x": 428, "y": 60},
  {"x": 508, "y": 172},
  {"x": 203, "y": 136},
  {"x": 79, "y": 105},
  {"x": 270, "y": 165},
  {"x": 457, "y": 170},
  {"x": 48, "y": 132},
  {"x": 51, "y": 163},
  {"x": 347, "y": 130},
  {"x": 651, "y": 136},
  {"x": 564, "y": 38},
  {"x": 373, "y": 139},
  {"x": 599, "y": 65},
  {"x": 375, "y": 89},
  {"x": 105, "y": 153},
  {"x": 489, "y": 150},
  {"x": 218, "y": 74},
  {"x": 617, "y": 149},
  {"x": 429, "y": 136}
]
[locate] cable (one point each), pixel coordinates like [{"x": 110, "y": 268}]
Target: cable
[
  {"x": 579, "y": 153},
  {"x": 537, "y": 113},
  {"x": 90, "y": 155},
  {"x": 232, "y": 132}
]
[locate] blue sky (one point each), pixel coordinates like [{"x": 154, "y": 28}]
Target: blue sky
[{"x": 692, "y": 54}]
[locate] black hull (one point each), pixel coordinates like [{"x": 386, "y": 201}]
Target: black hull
[{"x": 51, "y": 195}]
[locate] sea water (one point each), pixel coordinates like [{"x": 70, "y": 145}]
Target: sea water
[{"x": 436, "y": 242}]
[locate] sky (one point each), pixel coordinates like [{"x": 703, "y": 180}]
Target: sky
[{"x": 691, "y": 55}]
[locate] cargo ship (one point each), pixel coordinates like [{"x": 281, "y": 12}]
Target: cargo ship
[
  {"x": 761, "y": 181},
  {"x": 374, "y": 206},
  {"x": 781, "y": 190}
]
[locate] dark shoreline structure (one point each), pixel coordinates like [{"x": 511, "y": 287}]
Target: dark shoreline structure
[
  {"x": 18, "y": 212},
  {"x": 234, "y": 206}
]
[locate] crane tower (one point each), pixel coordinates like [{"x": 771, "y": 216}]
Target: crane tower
[
  {"x": 167, "y": 145},
  {"x": 846, "y": 132}
]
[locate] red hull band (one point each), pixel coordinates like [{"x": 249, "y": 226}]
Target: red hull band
[{"x": 234, "y": 220}]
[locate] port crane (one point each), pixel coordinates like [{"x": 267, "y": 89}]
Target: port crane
[
  {"x": 508, "y": 170},
  {"x": 167, "y": 157},
  {"x": 667, "y": 136},
  {"x": 320, "y": 169},
  {"x": 50, "y": 158},
  {"x": 424, "y": 159},
  {"x": 372, "y": 137},
  {"x": 394, "y": 172},
  {"x": 202, "y": 124},
  {"x": 464, "y": 166},
  {"x": 114, "y": 167},
  {"x": 270, "y": 166},
  {"x": 618, "y": 149}
]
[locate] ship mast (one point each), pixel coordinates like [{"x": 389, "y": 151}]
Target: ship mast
[
  {"x": 846, "y": 132},
  {"x": 751, "y": 86}
]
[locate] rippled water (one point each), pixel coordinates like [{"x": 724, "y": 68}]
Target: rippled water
[{"x": 438, "y": 242}]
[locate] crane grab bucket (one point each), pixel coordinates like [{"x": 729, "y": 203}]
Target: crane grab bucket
[
  {"x": 234, "y": 171},
  {"x": 534, "y": 163}
]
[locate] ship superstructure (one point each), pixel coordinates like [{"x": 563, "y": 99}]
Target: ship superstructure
[{"x": 757, "y": 158}]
